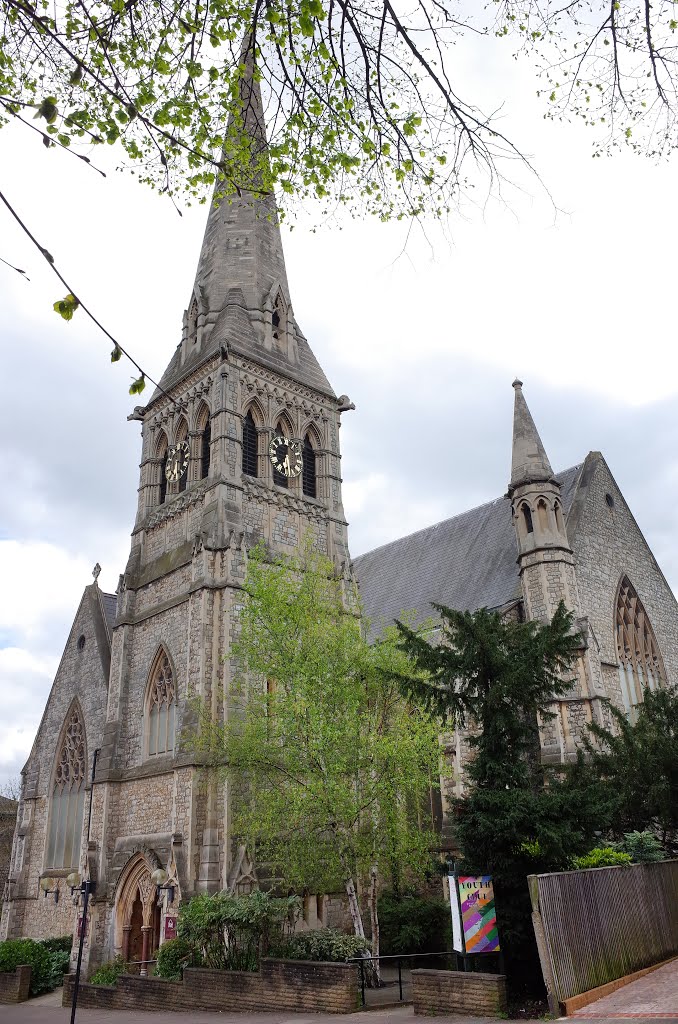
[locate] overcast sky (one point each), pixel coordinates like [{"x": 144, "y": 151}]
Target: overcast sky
[{"x": 575, "y": 295}]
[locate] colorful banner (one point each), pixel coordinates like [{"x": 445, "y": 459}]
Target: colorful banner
[{"x": 478, "y": 916}]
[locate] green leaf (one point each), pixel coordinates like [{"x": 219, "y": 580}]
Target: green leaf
[
  {"x": 138, "y": 385},
  {"x": 116, "y": 354},
  {"x": 66, "y": 307}
]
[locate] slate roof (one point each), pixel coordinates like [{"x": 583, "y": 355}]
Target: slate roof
[
  {"x": 466, "y": 562},
  {"x": 108, "y": 603}
]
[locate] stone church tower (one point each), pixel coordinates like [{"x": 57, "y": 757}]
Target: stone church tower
[{"x": 242, "y": 374}]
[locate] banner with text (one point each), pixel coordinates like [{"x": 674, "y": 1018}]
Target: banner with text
[{"x": 474, "y": 897}]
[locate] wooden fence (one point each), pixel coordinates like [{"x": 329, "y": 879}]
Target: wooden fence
[{"x": 597, "y": 925}]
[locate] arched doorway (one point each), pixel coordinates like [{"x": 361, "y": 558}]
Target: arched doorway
[{"x": 137, "y": 915}]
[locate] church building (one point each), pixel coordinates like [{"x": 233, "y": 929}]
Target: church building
[{"x": 240, "y": 444}]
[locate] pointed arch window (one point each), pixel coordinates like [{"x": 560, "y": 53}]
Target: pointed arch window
[
  {"x": 193, "y": 321},
  {"x": 205, "y": 443},
  {"x": 68, "y": 797},
  {"x": 640, "y": 663},
  {"x": 308, "y": 468},
  {"x": 181, "y": 435},
  {"x": 161, "y": 707},
  {"x": 279, "y": 479},
  {"x": 162, "y": 449},
  {"x": 527, "y": 517},
  {"x": 250, "y": 461},
  {"x": 279, "y": 318}
]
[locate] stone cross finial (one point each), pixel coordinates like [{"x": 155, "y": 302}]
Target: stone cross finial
[{"x": 95, "y": 572}]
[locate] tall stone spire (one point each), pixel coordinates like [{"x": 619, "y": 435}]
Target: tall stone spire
[
  {"x": 529, "y": 461},
  {"x": 240, "y": 299}
]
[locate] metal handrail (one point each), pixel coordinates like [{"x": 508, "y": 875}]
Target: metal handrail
[{"x": 360, "y": 960}]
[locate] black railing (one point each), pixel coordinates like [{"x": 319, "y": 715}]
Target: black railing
[{"x": 361, "y": 961}]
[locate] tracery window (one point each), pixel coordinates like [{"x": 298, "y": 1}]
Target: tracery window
[
  {"x": 68, "y": 797},
  {"x": 640, "y": 664},
  {"x": 249, "y": 446},
  {"x": 161, "y": 704},
  {"x": 308, "y": 468}
]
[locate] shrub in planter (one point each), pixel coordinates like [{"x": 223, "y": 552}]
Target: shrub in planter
[
  {"x": 410, "y": 923},
  {"x": 325, "y": 944},
  {"x": 109, "y": 972},
  {"x": 59, "y": 963},
  {"x": 15, "y": 952},
  {"x": 173, "y": 956}
]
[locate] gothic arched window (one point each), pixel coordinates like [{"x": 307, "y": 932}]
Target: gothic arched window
[
  {"x": 193, "y": 321},
  {"x": 182, "y": 435},
  {"x": 279, "y": 317},
  {"x": 68, "y": 797},
  {"x": 160, "y": 707},
  {"x": 205, "y": 442},
  {"x": 527, "y": 516},
  {"x": 640, "y": 664},
  {"x": 279, "y": 478},
  {"x": 161, "y": 451},
  {"x": 308, "y": 468},
  {"x": 250, "y": 461}
]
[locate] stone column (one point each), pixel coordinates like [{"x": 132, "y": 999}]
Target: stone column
[{"x": 145, "y": 946}]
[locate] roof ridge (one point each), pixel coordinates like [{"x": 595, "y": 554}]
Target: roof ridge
[{"x": 467, "y": 512}]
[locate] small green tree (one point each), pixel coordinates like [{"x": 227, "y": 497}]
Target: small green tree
[
  {"x": 329, "y": 763},
  {"x": 498, "y": 677},
  {"x": 635, "y": 767}
]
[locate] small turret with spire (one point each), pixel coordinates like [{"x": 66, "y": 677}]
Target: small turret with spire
[{"x": 544, "y": 552}]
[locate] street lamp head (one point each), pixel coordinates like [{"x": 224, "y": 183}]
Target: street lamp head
[
  {"x": 159, "y": 877},
  {"x": 45, "y": 884},
  {"x": 73, "y": 880}
]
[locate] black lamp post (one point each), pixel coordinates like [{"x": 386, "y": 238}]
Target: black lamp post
[{"x": 84, "y": 887}]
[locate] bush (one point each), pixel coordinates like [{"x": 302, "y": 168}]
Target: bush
[
  {"x": 413, "y": 924},
  {"x": 601, "y": 857},
  {"x": 61, "y": 945},
  {"x": 15, "y": 952},
  {"x": 232, "y": 932},
  {"x": 642, "y": 847},
  {"x": 325, "y": 944},
  {"x": 59, "y": 962},
  {"x": 173, "y": 956},
  {"x": 109, "y": 972}
]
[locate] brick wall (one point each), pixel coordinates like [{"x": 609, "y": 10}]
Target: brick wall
[
  {"x": 14, "y": 985},
  {"x": 445, "y": 992},
  {"x": 279, "y": 985}
]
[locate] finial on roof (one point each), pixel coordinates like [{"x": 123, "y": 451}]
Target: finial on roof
[
  {"x": 95, "y": 572},
  {"x": 529, "y": 461}
]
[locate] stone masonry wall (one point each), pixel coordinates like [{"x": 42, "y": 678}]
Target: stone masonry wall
[
  {"x": 279, "y": 985},
  {"x": 82, "y": 675},
  {"x": 451, "y": 992},
  {"x": 608, "y": 544}
]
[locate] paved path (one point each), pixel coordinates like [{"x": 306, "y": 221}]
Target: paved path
[
  {"x": 655, "y": 997},
  {"x": 48, "y": 1010}
]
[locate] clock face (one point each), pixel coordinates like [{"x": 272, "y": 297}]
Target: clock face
[
  {"x": 285, "y": 454},
  {"x": 177, "y": 461}
]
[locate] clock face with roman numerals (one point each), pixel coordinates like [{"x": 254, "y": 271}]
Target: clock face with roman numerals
[
  {"x": 177, "y": 461},
  {"x": 285, "y": 454}
]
